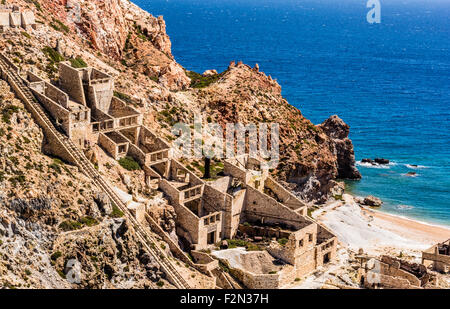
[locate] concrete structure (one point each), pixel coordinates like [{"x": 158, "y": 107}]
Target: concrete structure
[
  {"x": 86, "y": 110},
  {"x": 438, "y": 257},
  {"x": 246, "y": 201},
  {"x": 13, "y": 17},
  {"x": 392, "y": 273},
  {"x": 247, "y": 194}
]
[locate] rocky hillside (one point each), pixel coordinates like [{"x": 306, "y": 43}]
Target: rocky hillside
[
  {"x": 311, "y": 157},
  {"x": 131, "y": 44},
  {"x": 50, "y": 213}
]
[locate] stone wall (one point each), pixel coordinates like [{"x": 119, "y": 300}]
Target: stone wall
[
  {"x": 4, "y": 20},
  {"x": 260, "y": 206},
  {"x": 287, "y": 197},
  {"x": 440, "y": 262},
  {"x": 52, "y": 143},
  {"x": 28, "y": 19},
  {"x": 71, "y": 82},
  {"x": 100, "y": 95},
  {"x": 13, "y": 17},
  {"x": 58, "y": 112},
  {"x": 108, "y": 145}
]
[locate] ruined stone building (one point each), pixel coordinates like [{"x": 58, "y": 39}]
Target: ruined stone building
[
  {"x": 391, "y": 273},
  {"x": 245, "y": 201},
  {"x": 438, "y": 257},
  {"x": 85, "y": 108},
  {"x": 14, "y": 17}
]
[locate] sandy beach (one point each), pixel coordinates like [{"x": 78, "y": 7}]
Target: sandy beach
[{"x": 377, "y": 232}]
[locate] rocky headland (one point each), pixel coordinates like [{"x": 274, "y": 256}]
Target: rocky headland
[{"x": 53, "y": 213}]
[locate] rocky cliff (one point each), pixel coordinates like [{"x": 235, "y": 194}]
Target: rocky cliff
[
  {"x": 133, "y": 45},
  {"x": 51, "y": 213}
]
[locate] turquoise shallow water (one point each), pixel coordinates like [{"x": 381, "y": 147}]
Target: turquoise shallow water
[{"x": 390, "y": 82}]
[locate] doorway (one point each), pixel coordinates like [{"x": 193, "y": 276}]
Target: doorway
[
  {"x": 211, "y": 238},
  {"x": 326, "y": 258}
]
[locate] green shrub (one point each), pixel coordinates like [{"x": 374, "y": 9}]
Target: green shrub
[
  {"x": 52, "y": 54},
  {"x": 283, "y": 241},
  {"x": 252, "y": 247},
  {"x": 7, "y": 112},
  {"x": 200, "y": 81},
  {"x": 116, "y": 212},
  {"x": 56, "y": 255},
  {"x": 89, "y": 221},
  {"x": 233, "y": 243},
  {"x": 129, "y": 164},
  {"x": 160, "y": 283},
  {"x": 78, "y": 62},
  {"x": 59, "y": 26},
  {"x": 26, "y": 34},
  {"x": 70, "y": 225},
  {"x": 20, "y": 179},
  {"x": 124, "y": 97}
]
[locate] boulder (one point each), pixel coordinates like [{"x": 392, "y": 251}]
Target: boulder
[
  {"x": 335, "y": 128},
  {"x": 367, "y": 161},
  {"x": 224, "y": 244},
  {"x": 372, "y": 201},
  {"x": 103, "y": 202},
  {"x": 210, "y": 73},
  {"x": 381, "y": 161}
]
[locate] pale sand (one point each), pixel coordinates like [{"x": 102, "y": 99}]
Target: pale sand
[{"x": 377, "y": 232}]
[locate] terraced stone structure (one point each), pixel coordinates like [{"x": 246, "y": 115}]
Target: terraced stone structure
[
  {"x": 12, "y": 16},
  {"x": 438, "y": 257},
  {"x": 247, "y": 200}
]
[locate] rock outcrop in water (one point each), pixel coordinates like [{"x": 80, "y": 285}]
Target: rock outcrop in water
[{"x": 338, "y": 132}]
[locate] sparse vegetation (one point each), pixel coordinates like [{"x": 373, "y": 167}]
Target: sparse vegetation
[
  {"x": 56, "y": 255},
  {"x": 116, "y": 212},
  {"x": 52, "y": 54},
  {"x": 283, "y": 241},
  {"x": 78, "y": 62},
  {"x": 8, "y": 111},
  {"x": 200, "y": 81},
  {"x": 124, "y": 97},
  {"x": 129, "y": 164},
  {"x": 89, "y": 221},
  {"x": 70, "y": 225},
  {"x": 26, "y": 34},
  {"x": 59, "y": 26}
]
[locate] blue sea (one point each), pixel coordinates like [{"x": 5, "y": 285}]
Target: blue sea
[{"x": 390, "y": 81}]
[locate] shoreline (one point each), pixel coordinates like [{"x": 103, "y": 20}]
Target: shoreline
[
  {"x": 433, "y": 232},
  {"x": 376, "y": 232},
  {"x": 405, "y": 218}
]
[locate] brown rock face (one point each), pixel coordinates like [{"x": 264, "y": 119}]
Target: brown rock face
[
  {"x": 311, "y": 157},
  {"x": 338, "y": 132}
]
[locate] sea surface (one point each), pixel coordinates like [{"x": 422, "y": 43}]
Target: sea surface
[{"x": 390, "y": 81}]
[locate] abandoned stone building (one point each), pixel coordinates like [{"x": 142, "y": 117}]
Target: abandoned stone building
[
  {"x": 438, "y": 257},
  {"x": 84, "y": 107},
  {"x": 247, "y": 200},
  {"x": 391, "y": 273},
  {"x": 14, "y": 17}
]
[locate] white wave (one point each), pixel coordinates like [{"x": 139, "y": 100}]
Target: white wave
[
  {"x": 375, "y": 165},
  {"x": 404, "y": 207},
  {"x": 410, "y": 175},
  {"x": 415, "y": 166}
]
